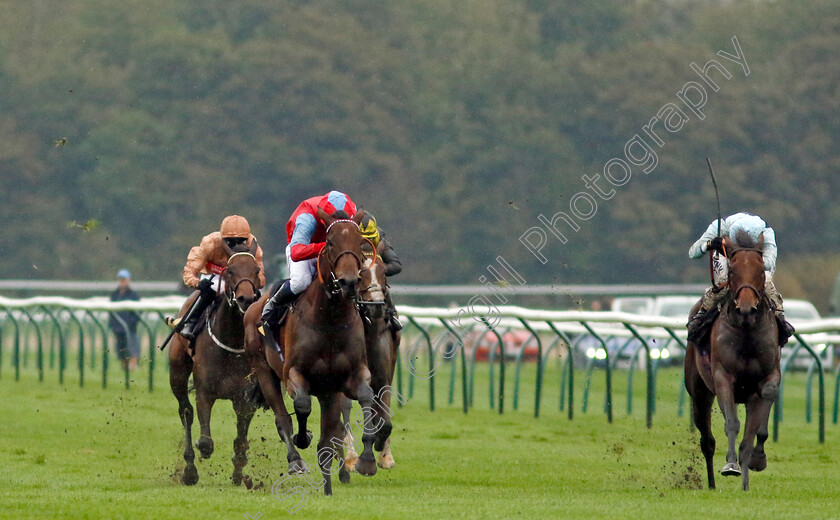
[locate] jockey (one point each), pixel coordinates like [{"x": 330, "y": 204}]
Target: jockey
[
  {"x": 756, "y": 228},
  {"x": 393, "y": 266},
  {"x": 306, "y": 235},
  {"x": 209, "y": 259}
]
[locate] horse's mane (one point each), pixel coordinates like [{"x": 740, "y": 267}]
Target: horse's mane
[
  {"x": 743, "y": 239},
  {"x": 341, "y": 214}
]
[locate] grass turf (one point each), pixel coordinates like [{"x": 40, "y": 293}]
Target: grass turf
[{"x": 70, "y": 452}]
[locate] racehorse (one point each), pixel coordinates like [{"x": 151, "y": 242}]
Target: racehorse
[
  {"x": 381, "y": 345},
  {"x": 741, "y": 365},
  {"x": 322, "y": 346},
  {"x": 218, "y": 364}
]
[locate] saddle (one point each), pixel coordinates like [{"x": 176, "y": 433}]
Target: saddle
[{"x": 702, "y": 336}]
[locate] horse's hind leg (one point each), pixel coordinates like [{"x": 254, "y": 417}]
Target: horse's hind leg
[
  {"x": 386, "y": 458},
  {"x": 350, "y": 455},
  {"x": 244, "y": 414},
  {"x": 330, "y": 444},
  {"x": 180, "y": 367},
  {"x": 702, "y": 401},
  {"x": 204, "y": 403},
  {"x": 273, "y": 394},
  {"x": 726, "y": 400}
]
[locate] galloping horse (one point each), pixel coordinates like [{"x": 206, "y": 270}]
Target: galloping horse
[
  {"x": 323, "y": 347},
  {"x": 218, "y": 365},
  {"x": 381, "y": 344},
  {"x": 740, "y": 366}
]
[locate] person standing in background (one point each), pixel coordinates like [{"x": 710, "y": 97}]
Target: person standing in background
[{"x": 124, "y": 323}]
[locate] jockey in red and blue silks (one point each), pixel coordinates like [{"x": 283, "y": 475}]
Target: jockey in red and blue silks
[{"x": 306, "y": 235}]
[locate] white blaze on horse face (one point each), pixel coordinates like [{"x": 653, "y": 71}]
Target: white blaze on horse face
[{"x": 377, "y": 292}]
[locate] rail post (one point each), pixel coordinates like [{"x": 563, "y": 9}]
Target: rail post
[
  {"x": 539, "y": 365},
  {"x": 650, "y": 383},
  {"x": 432, "y": 370},
  {"x": 571, "y": 364}
]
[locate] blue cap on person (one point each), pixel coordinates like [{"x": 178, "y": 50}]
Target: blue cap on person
[{"x": 124, "y": 273}]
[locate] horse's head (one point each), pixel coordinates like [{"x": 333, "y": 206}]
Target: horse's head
[
  {"x": 746, "y": 273},
  {"x": 340, "y": 262},
  {"x": 372, "y": 292},
  {"x": 242, "y": 276}
]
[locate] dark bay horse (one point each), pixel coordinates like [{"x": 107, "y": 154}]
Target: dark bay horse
[
  {"x": 218, "y": 365},
  {"x": 741, "y": 365},
  {"x": 381, "y": 345},
  {"x": 323, "y": 346}
]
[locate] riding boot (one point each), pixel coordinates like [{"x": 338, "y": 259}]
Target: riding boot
[
  {"x": 276, "y": 305},
  {"x": 191, "y": 319},
  {"x": 696, "y": 326},
  {"x": 393, "y": 317},
  {"x": 786, "y": 330}
]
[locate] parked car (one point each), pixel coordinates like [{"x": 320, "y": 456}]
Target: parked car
[
  {"x": 803, "y": 311},
  {"x": 633, "y": 304},
  {"x": 514, "y": 341}
]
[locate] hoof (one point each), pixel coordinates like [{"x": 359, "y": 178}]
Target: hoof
[
  {"x": 236, "y": 477},
  {"x": 296, "y": 467},
  {"x": 303, "y": 440},
  {"x": 190, "y": 476},
  {"x": 386, "y": 461},
  {"x": 366, "y": 466},
  {"x": 731, "y": 469},
  {"x": 344, "y": 476},
  {"x": 758, "y": 462},
  {"x": 205, "y": 447}
]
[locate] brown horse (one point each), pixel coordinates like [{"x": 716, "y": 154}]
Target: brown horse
[
  {"x": 381, "y": 345},
  {"x": 218, "y": 365},
  {"x": 741, "y": 365},
  {"x": 323, "y": 346}
]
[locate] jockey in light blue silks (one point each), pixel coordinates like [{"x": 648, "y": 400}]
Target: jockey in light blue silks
[{"x": 715, "y": 295}]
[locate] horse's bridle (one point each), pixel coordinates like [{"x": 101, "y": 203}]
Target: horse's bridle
[
  {"x": 230, "y": 291},
  {"x": 730, "y": 256},
  {"x": 332, "y": 287}
]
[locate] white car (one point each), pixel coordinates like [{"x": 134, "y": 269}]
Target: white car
[
  {"x": 673, "y": 307},
  {"x": 633, "y": 305},
  {"x": 802, "y": 311}
]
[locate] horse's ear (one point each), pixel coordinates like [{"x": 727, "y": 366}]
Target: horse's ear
[
  {"x": 380, "y": 248},
  {"x": 254, "y": 247},
  {"x": 760, "y": 242},
  {"x": 228, "y": 251},
  {"x": 357, "y": 218},
  {"x": 325, "y": 217}
]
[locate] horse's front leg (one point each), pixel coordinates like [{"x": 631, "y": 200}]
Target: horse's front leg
[
  {"x": 299, "y": 390},
  {"x": 726, "y": 400},
  {"x": 758, "y": 415}
]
